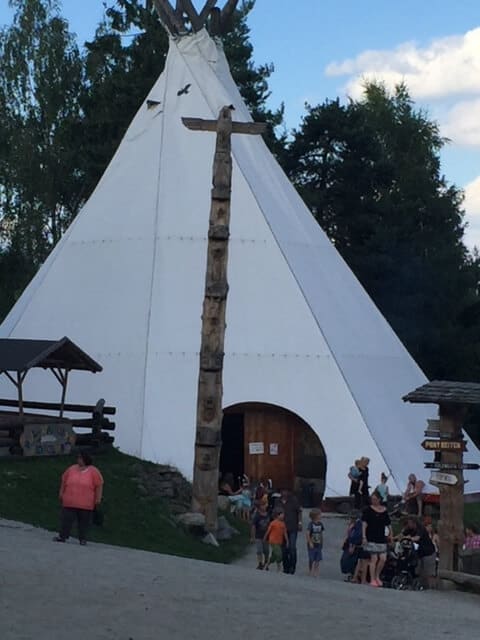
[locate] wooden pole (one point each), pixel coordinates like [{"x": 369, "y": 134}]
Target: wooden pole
[
  {"x": 450, "y": 525},
  {"x": 210, "y": 379}
]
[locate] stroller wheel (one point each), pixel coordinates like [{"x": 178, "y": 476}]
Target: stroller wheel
[
  {"x": 398, "y": 583},
  {"x": 417, "y": 585}
]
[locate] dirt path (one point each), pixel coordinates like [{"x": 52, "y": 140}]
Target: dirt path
[
  {"x": 53, "y": 591},
  {"x": 335, "y": 527}
]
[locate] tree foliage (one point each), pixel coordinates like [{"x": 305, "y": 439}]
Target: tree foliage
[
  {"x": 370, "y": 172},
  {"x": 40, "y": 83}
]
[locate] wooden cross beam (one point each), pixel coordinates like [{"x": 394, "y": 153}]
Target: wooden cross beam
[
  {"x": 174, "y": 19},
  {"x": 210, "y": 378}
]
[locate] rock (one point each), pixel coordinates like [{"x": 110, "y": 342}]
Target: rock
[
  {"x": 225, "y": 531},
  {"x": 224, "y": 534},
  {"x": 192, "y": 519},
  {"x": 210, "y": 539},
  {"x": 142, "y": 489},
  {"x": 223, "y": 523},
  {"x": 223, "y": 503}
]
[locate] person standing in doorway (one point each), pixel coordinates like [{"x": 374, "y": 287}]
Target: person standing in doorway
[
  {"x": 290, "y": 506},
  {"x": 80, "y": 492}
]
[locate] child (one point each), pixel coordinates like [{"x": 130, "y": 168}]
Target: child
[
  {"x": 382, "y": 488},
  {"x": 260, "y": 522},
  {"x": 246, "y": 501},
  {"x": 351, "y": 547},
  {"x": 314, "y": 536},
  {"x": 276, "y": 536}
]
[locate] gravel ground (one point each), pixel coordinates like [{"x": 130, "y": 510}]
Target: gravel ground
[{"x": 52, "y": 591}]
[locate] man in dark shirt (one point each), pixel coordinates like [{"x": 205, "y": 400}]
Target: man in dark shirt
[
  {"x": 293, "y": 521},
  {"x": 417, "y": 533}
]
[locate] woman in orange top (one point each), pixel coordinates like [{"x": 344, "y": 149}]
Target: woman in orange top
[
  {"x": 80, "y": 492},
  {"x": 276, "y": 536}
]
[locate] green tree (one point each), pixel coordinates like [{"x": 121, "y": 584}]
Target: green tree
[
  {"x": 370, "y": 172},
  {"x": 40, "y": 80}
]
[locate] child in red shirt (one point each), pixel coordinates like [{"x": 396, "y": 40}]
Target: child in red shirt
[{"x": 276, "y": 536}]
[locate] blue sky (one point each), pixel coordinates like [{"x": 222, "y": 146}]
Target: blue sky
[{"x": 324, "y": 48}]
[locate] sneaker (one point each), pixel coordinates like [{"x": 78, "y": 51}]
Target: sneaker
[
  {"x": 82, "y": 542},
  {"x": 58, "y": 539},
  {"x": 260, "y": 566}
]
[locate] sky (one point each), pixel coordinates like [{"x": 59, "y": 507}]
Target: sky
[{"x": 322, "y": 49}]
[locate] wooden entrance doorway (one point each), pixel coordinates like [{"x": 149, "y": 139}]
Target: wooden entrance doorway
[{"x": 265, "y": 441}]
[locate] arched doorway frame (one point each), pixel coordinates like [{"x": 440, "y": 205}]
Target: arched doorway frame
[{"x": 250, "y": 432}]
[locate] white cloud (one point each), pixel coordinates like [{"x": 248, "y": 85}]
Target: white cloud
[
  {"x": 472, "y": 207},
  {"x": 446, "y": 67},
  {"x": 445, "y": 73},
  {"x": 462, "y": 123}
]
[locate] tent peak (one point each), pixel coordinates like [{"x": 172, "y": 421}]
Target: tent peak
[{"x": 181, "y": 17}]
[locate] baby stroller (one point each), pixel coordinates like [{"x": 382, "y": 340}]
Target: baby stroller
[{"x": 403, "y": 563}]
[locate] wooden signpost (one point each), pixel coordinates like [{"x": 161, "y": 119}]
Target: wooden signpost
[
  {"x": 452, "y": 466},
  {"x": 210, "y": 380},
  {"x": 444, "y": 445},
  {"x": 438, "y": 478},
  {"x": 453, "y": 400}
]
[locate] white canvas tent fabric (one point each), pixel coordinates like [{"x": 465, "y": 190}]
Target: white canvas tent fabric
[{"x": 126, "y": 284}]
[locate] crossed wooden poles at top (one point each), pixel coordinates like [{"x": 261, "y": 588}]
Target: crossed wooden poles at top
[{"x": 174, "y": 18}]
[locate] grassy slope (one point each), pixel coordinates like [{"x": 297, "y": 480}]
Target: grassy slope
[{"x": 30, "y": 494}]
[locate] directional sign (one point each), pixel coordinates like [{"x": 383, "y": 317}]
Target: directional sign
[
  {"x": 451, "y": 465},
  {"x": 437, "y": 477},
  {"x": 444, "y": 445}
]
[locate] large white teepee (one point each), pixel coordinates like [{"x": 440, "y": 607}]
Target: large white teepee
[{"x": 126, "y": 284}]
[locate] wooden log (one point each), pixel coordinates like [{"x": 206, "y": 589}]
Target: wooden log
[
  {"x": 55, "y": 406},
  {"x": 462, "y": 579},
  {"x": 209, "y": 399},
  {"x": 450, "y": 525},
  {"x": 86, "y": 439},
  {"x": 90, "y": 423},
  {"x": 210, "y": 389},
  {"x": 168, "y": 17}
]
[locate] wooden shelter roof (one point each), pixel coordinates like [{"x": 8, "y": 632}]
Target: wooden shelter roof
[
  {"x": 445, "y": 392},
  {"x": 22, "y": 355}
]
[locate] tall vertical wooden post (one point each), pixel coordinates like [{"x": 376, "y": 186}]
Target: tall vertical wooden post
[
  {"x": 450, "y": 525},
  {"x": 210, "y": 379}
]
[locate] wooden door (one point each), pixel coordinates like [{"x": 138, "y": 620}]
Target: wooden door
[{"x": 269, "y": 446}]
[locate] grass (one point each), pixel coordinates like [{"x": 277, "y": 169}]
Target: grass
[{"x": 30, "y": 494}]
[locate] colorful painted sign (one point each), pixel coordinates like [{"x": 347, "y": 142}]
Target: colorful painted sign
[{"x": 51, "y": 439}]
